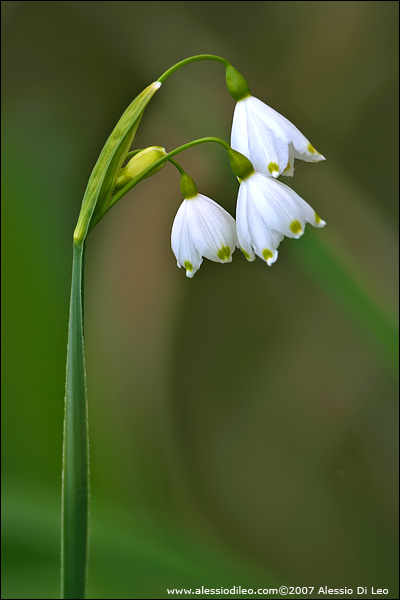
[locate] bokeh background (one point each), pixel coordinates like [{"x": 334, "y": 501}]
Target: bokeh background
[{"x": 243, "y": 424}]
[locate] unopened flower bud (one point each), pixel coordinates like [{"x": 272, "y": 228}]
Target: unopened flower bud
[{"x": 140, "y": 163}]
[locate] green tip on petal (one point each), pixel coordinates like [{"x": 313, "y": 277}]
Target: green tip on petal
[
  {"x": 188, "y": 265},
  {"x": 267, "y": 254},
  {"x": 224, "y": 253},
  {"x": 317, "y": 218},
  {"x": 295, "y": 227},
  {"x": 311, "y": 149},
  {"x": 272, "y": 167},
  {"x": 247, "y": 256}
]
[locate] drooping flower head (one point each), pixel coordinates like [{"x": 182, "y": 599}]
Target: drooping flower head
[
  {"x": 201, "y": 228},
  {"x": 267, "y": 210},
  {"x": 269, "y": 140}
]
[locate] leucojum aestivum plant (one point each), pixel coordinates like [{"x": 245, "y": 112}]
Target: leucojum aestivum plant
[{"x": 264, "y": 145}]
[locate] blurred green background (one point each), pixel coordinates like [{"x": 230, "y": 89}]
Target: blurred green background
[{"x": 243, "y": 425}]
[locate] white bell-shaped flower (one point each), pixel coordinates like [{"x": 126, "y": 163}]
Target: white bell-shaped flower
[
  {"x": 268, "y": 139},
  {"x": 267, "y": 210},
  {"x": 202, "y": 228}
]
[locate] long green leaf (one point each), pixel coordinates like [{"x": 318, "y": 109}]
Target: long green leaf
[{"x": 75, "y": 493}]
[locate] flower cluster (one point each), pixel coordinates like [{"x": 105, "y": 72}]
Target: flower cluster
[{"x": 267, "y": 210}]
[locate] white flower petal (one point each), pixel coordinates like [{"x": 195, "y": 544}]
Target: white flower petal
[
  {"x": 289, "y": 171},
  {"x": 286, "y": 131},
  {"x": 239, "y": 137},
  {"x": 303, "y": 149},
  {"x": 267, "y": 210},
  {"x": 242, "y": 225},
  {"x": 309, "y": 214},
  {"x": 277, "y": 204},
  {"x": 253, "y": 138},
  {"x": 268, "y": 139},
  {"x": 318, "y": 222},
  {"x": 263, "y": 238},
  {"x": 212, "y": 228},
  {"x": 268, "y": 153},
  {"x": 186, "y": 254},
  {"x": 202, "y": 228}
]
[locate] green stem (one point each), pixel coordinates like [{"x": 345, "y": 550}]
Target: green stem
[
  {"x": 75, "y": 489},
  {"x": 187, "y": 61},
  {"x": 177, "y": 165},
  {"x": 114, "y": 199},
  {"x": 160, "y": 161}
]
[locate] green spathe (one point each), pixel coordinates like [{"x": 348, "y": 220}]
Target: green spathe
[{"x": 105, "y": 173}]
